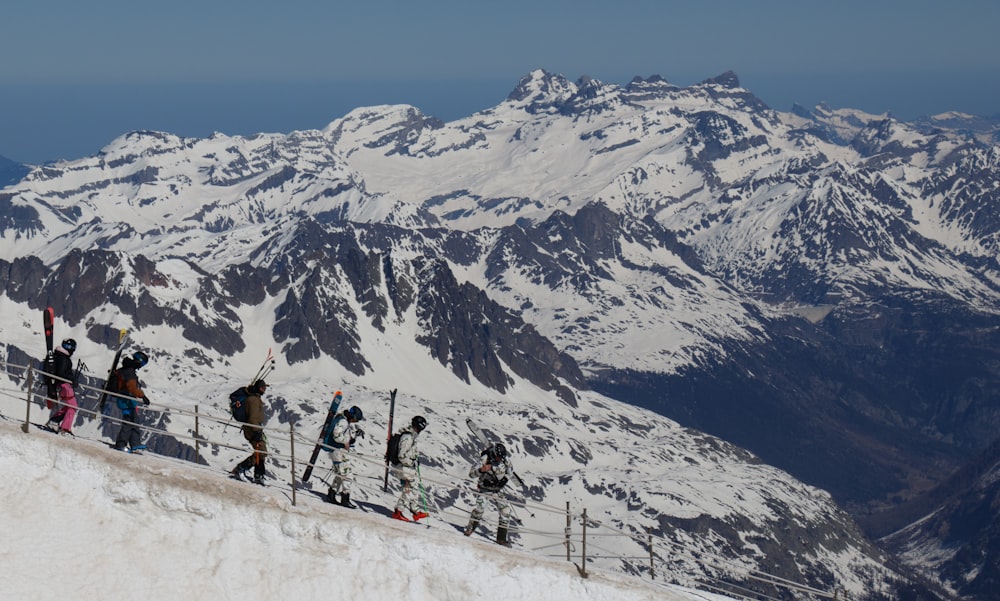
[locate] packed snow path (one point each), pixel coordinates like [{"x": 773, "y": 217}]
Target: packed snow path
[{"x": 83, "y": 521}]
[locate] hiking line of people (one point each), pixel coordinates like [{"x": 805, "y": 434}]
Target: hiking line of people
[
  {"x": 247, "y": 407},
  {"x": 403, "y": 453},
  {"x": 122, "y": 382}
]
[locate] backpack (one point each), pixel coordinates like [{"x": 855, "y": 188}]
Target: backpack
[
  {"x": 117, "y": 385},
  {"x": 328, "y": 437},
  {"x": 49, "y": 366},
  {"x": 392, "y": 451},
  {"x": 238, "y": 404}
]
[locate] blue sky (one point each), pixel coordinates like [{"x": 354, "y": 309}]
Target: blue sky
[{"x": 75, "y": 75}]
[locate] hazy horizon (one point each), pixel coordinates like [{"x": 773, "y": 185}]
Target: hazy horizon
[{"x": 79, "y": 75}]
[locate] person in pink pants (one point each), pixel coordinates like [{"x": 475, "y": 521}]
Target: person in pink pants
[{"x": 61, "y": 420}]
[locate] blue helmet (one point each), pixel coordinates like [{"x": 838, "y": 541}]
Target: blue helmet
[
  {"x": 354, "y": 414},
  {"x": 140, "y": 358},
  {"x": 70, "y": 345}
]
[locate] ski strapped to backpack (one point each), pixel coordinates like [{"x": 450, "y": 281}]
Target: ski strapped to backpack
[
  {"x": 110, "y": 384},
  {"x": 487, "y": 445},
  {"x": 49, "y": 363},
  {"x": 323, "y": 432},
  {"x": 388, "y": 438},
  {"x": 238, "y": 397}
]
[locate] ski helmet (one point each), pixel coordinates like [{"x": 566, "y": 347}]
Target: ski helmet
[
  {"x": 419, "y": 422},
  {"x": 499, "y": 451},
  {"x": 140, "y": 358},
  {"x": 258, "y": 386},
  {"x": 355, "y": 414},
  {"x": 70, "y": 345}
]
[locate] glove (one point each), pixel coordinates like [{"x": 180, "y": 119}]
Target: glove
[
  {"x": 145, "y": 401},
  {"x": 360, "y": 434},
  {"x": 351, "y": 442}
]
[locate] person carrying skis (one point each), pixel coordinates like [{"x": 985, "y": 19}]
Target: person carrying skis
[
  {"x": 343, "y": 434},
  {"x": 62, "y": 417},
  {"x": 407, "y": 470},
  {"x": 125, "y": 386},
  {"x": 253, "y": 431},
  {"x": 491, "y": 479}
]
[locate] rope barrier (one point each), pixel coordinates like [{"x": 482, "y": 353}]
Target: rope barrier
[{"x": 449, "y": 483}]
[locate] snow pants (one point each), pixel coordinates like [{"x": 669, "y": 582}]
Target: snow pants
[
  {"x": 410, "y": 498},
  {"x": 343, "y": 473},
  {"x": 66, "y": 413},
  {"x": 503, "y": 507},
  {"x": 130, "y": 435}
]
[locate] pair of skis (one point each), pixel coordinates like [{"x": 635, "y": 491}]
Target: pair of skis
[
  {"x": 265, "y": 368},
  {"x": 123, "y": 339},
  {"x": 48, "y": 324},
  {"x": 49, "y": 365},
  {"x": 327, "y": 423},
  {"x": 487, "y": 445}
]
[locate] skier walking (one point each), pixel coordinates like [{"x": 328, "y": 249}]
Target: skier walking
[
  {"x": 128, "y": 393},
  {"x": 491, "y": 479},
  {"x": 407, "y": 470},
  {"x": 343, "y": 434},
  {"x": 62, "y": 417},
  {"x": 254, "y": 433}
]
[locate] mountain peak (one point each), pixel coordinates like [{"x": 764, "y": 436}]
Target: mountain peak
[
  {"x": 540, "y": 90},
  {"x": 729, "y": 79}
]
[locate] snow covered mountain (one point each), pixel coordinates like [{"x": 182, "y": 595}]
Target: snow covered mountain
[
  {"x": 952, "y": 533},
  {"x": 804, "y": 284}
]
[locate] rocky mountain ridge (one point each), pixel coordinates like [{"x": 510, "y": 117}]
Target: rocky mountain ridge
[{"x": 803, "y": 284}]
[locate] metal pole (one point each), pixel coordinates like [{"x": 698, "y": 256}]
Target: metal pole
[
  {"x": 569, "y": 526},
  {"x": 27, "y": 404},
  {"x": 291, "y": 437},
  {"x": 197, "y": 442},
  {"x": 583, "y": 556},
  {"x": 652, "y": 570}
]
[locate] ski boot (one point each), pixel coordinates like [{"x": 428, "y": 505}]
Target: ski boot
[
  {"x": 502, "y": 536},
  {"x": 473, "y": 523},
  {"x": 398, "y": 515}
]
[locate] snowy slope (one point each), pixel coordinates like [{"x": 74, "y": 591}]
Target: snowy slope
[
  {"x": 81, "y": 521},
  {"x": 718, "y": 512}
]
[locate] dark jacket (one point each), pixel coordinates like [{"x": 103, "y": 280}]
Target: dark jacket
[
  {"x": 63, "y": 367},
  {"x": 127, "y": 384},
  {"x": 255, "y": 417}
]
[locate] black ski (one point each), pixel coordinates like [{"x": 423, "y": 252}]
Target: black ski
[
  {"x": 122, "y": 341},
  {"x": 487, "y": 445},
  {"x": 49, "y": 365},
  {"x": 334, "y": 407},
  {"x": 392, "y": 411}
]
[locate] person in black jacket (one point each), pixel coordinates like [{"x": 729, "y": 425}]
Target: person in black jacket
[{"x": 62, "y": 417}]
